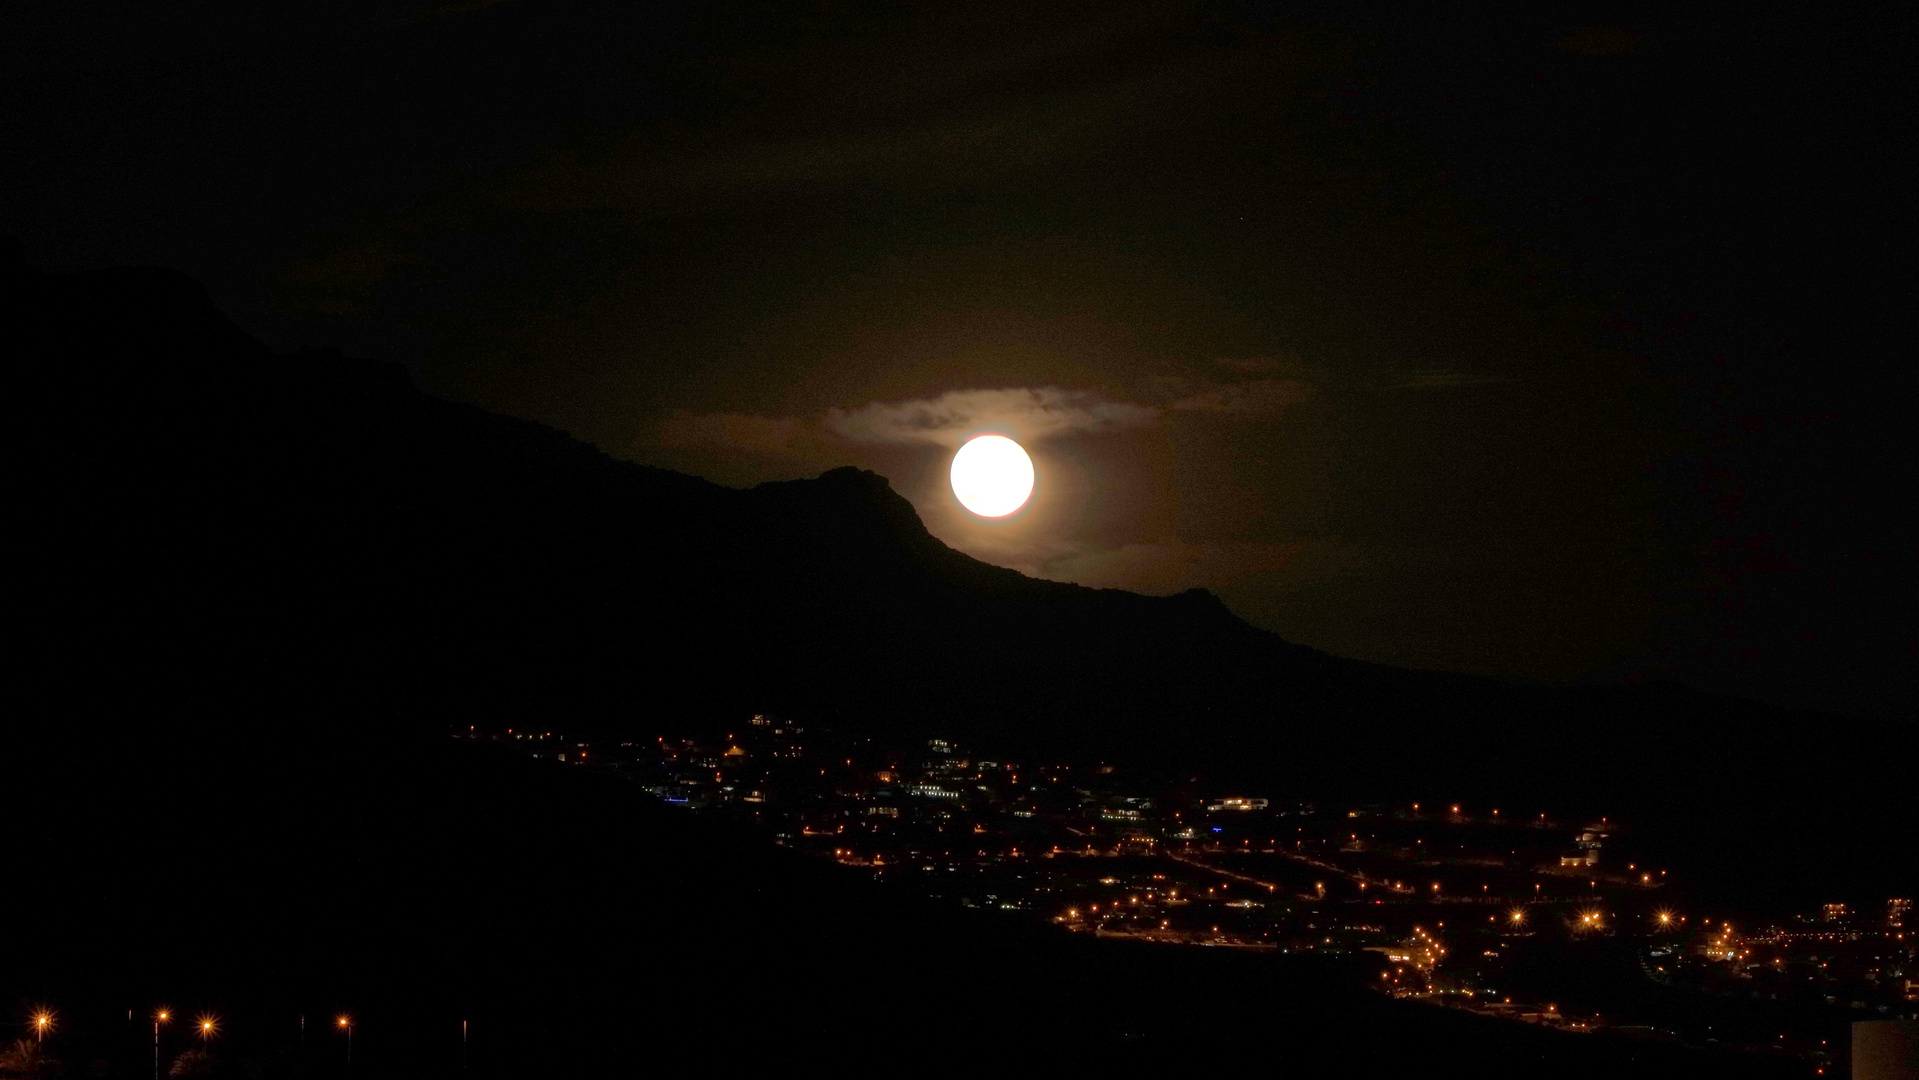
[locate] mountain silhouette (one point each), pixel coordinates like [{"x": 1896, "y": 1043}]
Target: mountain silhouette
[{"x": 232, "y": 548}]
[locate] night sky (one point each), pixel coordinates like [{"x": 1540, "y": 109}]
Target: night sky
[{"x": 1552, "y": 350}]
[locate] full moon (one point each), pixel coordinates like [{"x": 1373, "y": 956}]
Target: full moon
[{"x": 992, "y": 476}]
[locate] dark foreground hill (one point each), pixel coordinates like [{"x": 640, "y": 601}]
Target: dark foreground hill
[{"x": 252, "y": 584}]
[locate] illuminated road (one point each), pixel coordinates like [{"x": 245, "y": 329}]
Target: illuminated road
[
  {"x": 1308, "y": 860},
  {"x": 1211, "y": 869}
]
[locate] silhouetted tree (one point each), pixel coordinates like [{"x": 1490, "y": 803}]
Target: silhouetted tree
[
  {"x": 27, "y": 1058},
  {"x": 192, "y": 1063}
]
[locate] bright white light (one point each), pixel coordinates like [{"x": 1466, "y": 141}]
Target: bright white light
[{"x": 992, "y": 476}]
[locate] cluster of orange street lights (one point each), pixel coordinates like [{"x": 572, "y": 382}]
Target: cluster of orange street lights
[
  {"x": 208, "y": 1025},
  {"x": 1594, "y": 919}
]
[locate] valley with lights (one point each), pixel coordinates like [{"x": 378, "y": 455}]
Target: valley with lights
[{"x": 1513, "y": 914}]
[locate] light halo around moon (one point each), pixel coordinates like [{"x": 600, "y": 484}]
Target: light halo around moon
[{"x": 992, "y": 476}]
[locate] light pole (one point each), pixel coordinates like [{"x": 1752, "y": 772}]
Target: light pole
[
  {"x": 42, "y": 1020},
  {"x": 159, "y": 1018},
  {"x": 208, "y": 1025},
  {"x": 346, "y": 1025},
  {"x": 463, "y": 1035}
]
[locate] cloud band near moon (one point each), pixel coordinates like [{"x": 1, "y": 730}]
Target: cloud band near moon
[
  {"x": 1025, "y": 414},
  {"x": 912, "y": 441},
  {"x": 1029, "y": 415}
]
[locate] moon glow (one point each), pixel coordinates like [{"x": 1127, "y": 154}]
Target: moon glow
[{"x": 992, "y": 476}]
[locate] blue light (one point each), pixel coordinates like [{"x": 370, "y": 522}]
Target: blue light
[{"x": 1218, "y": 829}]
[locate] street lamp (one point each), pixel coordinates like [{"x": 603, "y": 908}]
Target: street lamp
[
  {"x": 159, "y": 1018},
  {"x": 42, "y": 1020},
  {"x": 345, "y": 1024},
  {"x": 209, "y": 1025}
]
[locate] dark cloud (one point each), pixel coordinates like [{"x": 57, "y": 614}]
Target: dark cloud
[
  {"x": 1027, "y": 415},
  {"x": 767, "y": 436},
  {"x": 1252, "y": 365},
  {"x": 1263, "y": 398},
  {"x": 1599, "y": 41},
  {"x": 1430, "y": 379}
]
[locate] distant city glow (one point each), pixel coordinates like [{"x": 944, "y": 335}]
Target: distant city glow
[{"x": 939, "y": 809}]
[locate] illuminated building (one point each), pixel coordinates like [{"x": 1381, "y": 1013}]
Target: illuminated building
[{"x": 1239, "y": 804}]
